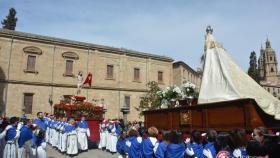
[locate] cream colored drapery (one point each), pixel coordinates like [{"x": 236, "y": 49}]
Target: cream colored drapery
[{"x": 224, "y": 80}]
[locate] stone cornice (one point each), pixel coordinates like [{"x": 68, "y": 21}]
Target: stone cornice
[
  {"x": 69, "y": 85},
  {"x": 83, "y": 45},
  {"x": 176, "y": 64}
]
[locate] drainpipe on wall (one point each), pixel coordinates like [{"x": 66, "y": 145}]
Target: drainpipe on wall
[
  {"x": 51, "y": 95},
  {"x": 8, "y": 75},
  {"x": 87, "y": 70}
]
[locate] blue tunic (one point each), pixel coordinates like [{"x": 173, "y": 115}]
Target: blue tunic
[
  {"x": 41, "y": 123},
  {"x": 210, "y": 146},
  {"x": 161, "y": 149},
  {"x": 175, "y": 150},
  {"x": 134, "y": 151},
  {"x": 69, "y": 128},
  {"x": 11, "y": 133},
  {"x": 147, "y": 148},
  {"x": 198, "y": 149},
  {"x": 82, "y": 124},
  {"x": 118, "y": 129},
  {"x": 25, "y": 135},
  {"x": 121, "y": 146}
]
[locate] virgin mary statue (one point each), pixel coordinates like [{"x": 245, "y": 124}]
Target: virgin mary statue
[{"x": 224, "y": 80}]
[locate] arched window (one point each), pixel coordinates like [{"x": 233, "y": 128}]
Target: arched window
[{"x": 272, "y": 70}]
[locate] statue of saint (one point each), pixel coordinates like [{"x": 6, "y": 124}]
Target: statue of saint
[{"x": 79, "y": 82}]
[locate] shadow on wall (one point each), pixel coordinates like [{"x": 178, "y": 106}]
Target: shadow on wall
[{"x": 3, "y": 86}]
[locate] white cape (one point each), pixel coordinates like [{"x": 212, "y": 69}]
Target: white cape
[{"x": 224, "y": 80}]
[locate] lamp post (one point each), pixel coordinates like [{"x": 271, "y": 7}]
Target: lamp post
[{"x": 51, "y": 101}]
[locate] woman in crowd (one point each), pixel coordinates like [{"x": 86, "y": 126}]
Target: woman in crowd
[{"x": 256, "y": 146}]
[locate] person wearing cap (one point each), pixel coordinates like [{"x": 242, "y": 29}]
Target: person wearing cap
[
  {"x": 83, "y": 134},
  {"x": 11, "y": 133},
  {"x": 148, "y": 144}
]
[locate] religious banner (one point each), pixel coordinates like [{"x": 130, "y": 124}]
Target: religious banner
[{"x": 88, "y": 79}]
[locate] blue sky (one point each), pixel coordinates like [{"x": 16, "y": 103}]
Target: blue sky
[{"x": 173, "y": 28}]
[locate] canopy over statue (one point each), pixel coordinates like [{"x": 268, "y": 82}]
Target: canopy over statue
[{"x": 224, "y": 80}]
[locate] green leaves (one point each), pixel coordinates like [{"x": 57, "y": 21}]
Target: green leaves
[{"x": 11, "y": 20}]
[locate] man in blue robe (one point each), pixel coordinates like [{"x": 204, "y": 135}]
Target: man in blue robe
[
  {"x": 83, "y": 134},
  {"x": 39, "y": 136},
  {"x": 11, "y": 133},
  {"x": 25, "y": 140}
]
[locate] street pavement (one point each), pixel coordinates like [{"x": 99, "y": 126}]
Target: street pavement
[{"x": 92, "y": 153}]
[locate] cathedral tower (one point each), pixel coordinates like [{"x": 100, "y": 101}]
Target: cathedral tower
[{"x": 269, "y": 62}]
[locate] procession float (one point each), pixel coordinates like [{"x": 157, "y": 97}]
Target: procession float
[
  {"x": 228, "y": 98},
  {"x": 76, "y": 106}
]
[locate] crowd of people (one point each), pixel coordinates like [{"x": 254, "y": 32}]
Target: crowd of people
[
  {"x": 137, "y": 142},
  {"x": 23, "y": 138},
  {"x": 26, "y": 138}
]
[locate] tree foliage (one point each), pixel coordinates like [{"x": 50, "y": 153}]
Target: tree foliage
[
  {"x": 10, "y": 21},
  {"x": 253, "y": 68},
  {"x": 151, "y": 100}
]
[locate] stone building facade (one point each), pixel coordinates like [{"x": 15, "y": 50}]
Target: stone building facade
[
  {"x": 182, "y": 73},
  {"x": 269, "y": 75},
  {"x": 35, "y": 69}
]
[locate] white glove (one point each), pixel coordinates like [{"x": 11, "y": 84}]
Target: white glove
[
  {"x": 19, "y": 126},
  {"x": 128, "y": 143},
  {"x": 207, "y": 153},
  {"x": 44, "y": 145},
  {"x": 88, "y": 132},
  {"x": 33, "y": 151},
  {"x": 237, "y": 153},
  {"x": 8, "y": 127},
  {"x": 187, "y": 140},
  {"x": 190, "y": 151}
]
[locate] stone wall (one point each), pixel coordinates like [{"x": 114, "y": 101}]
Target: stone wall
[{"x": 49, "y": 76}]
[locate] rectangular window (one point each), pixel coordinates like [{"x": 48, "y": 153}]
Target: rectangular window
[
  {"x": 127, "y": 101},
  {"x": 27, "y": 103},
  {"x": 69, "y": 67},
  {"x": 110, "y": 71},
  {"x": 160, "y": 76},
  {"x": 136, "y": 74},
  {"x": 31, "y": 59}
]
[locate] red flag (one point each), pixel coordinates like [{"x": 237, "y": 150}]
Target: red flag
[{"x": 88, "y": 79}]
